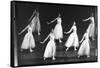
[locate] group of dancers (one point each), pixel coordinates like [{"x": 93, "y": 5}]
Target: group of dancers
[{"x": 57, "y": 33}]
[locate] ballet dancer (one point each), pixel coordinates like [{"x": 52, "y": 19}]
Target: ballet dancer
[
  {"x": 28, "y": 41},
  {"x": 73, "y": 38},
  {"x": 35, "y": 22},
  {"x": 91, "y": 28},
  {"x": 58, "y": 31},
  {"x": 85, "y": 47},
  {"x": 50, "y": 49}
]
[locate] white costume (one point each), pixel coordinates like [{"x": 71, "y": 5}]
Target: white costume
[
  {"x": 91, "y": 27},
  {"x": 58, "y": 32},
  {"x": 50, "y": 49},
  {"x": 73, "y": 38},
  {"x": 85, "y": 47},
  {"x": 35, "y": 23},
  {"x": 28, "y": 41}
]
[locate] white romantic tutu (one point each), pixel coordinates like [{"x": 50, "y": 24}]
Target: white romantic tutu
[
  {"x": 84, "y": 48},
  {"x": 36, "y": 24},
  {"x": 58, "y": 32},
  {"x": 50, "y": 49},
  {"x": 91, "y": 30},
  {"x": 28, "y": 41},
  {"x": 72, "y": 40}
]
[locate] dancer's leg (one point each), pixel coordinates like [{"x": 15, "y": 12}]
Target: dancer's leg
[
  {"x": 67, "y": 48},
  {"x": 60, "y": 40},
  {"x": 75, "y": 48}
]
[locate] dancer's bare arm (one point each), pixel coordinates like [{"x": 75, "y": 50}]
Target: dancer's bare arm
[
  {"x": 32, "y": 15},
  {"x": 82, "y": 38},
  {"x": 23, "y": 29},
  {"x": 45, "y": 39},
  {"x": 69, "y": 30},
  {"x": 87, "y": 19},
  {"x": 52, "y": 21}
]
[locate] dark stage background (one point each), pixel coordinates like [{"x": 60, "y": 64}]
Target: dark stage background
[{"x": 48, "y": 12}]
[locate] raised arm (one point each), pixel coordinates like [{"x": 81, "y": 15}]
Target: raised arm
[
  {"x": 32, "y": 15},
  {"x": 87, "y": 19},
  {"x": 24, "y": 29},
  {"x": 82, "y": 38},
  {"x": 46, "y": 38},
  {"x": 52, "y": 21}
]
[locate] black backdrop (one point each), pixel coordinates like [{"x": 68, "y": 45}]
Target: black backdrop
[{"x": 48, "y": 12}]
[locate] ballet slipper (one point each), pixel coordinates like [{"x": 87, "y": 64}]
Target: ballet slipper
[
  {"x": 21, "y": 50},
  {"x": 88, "y": 56},
  {"x": 44, "y": 59},
  {"x": 78, "y": 56},
  {"x": 53, "y": 58},
  {"x": 75, "y": 49},
  {"x": 67, "y": 49},
  {"x": 60, "y": 41},
  {"x": 38, "y": 33},
  {"x": 31, "y": 50}
]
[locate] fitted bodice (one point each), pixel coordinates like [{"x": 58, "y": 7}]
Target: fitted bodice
[
  {"x": 29, "y": 29},
  {"x": 59, "y": 20},
  {"x": 52, "y": 36},
  {"x": 74, "y": 29}
]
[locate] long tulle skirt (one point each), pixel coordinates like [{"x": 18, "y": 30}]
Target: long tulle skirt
[
  {"x": 58, "y": 32},
  {"x": 50, "y": 49},
  {"x": 91, "y": 30},
  {"x": 28, "y": 41},
  {"x": 84, "y": 48},
  {"x": 72, "y": 40}
]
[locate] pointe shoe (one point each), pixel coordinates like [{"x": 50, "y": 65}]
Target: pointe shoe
[
  {"x": 88, "y": 56},
  {"x": 66, "y": 49},
  {"x": 53, "y": 58},
  {"x": 21, "y": 50},
  {"x": 60, "y": 41},
  {"x": 44, "y": 59},
  {"x": 78, "y": 56},
  {"x": 38, "y": 33},
  {"x": 31, "y": 50},
  {"x": 75, "y": 49}
]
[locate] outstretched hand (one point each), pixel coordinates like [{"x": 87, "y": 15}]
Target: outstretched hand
[
  {"x": 83, "y": 20},
  {"x": 65, "y": 32},
  {"x": 39, "y": 34},
  {"x": 48, "y": 23},
  {"x": 19, "y": 33},
  {"x": 41, "y": 42}
]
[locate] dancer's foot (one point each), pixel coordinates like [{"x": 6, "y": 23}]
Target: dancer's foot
[
  {"x": 31, "y": 50},
  {"x": 75, "y": 49},
  {"x": 21, "y": 50},
  {"x": 60, "y": 41},
  {"x": 44, "y": 59},
  {"x": 67, "y": 49},
  {"x": 53, "y": 58},
  {"x": 88, "y": 56},
  {"x": 38, "y": 33},
  {"x": 93, "y": 39},
  {"x": 78, "y": 56}
]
